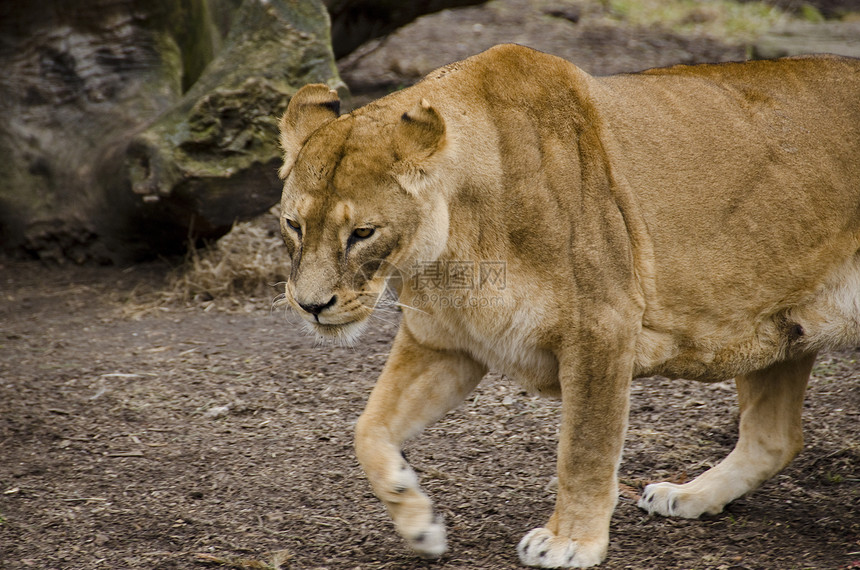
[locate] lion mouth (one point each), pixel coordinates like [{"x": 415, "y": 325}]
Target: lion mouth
[
  {"x": 346, "y": 334},
  {"x": 341, "y": 327}
]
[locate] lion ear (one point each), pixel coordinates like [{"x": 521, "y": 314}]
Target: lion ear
[
  {"x": 419, "y": 135},
  {"x": 310, "y": 108}
]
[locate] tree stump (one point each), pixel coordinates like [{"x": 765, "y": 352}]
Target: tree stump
[{"x": 131, "y": 125}]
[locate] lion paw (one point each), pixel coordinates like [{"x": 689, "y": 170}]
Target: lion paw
[
  {"x": 541, "y": 548},
  {"x": 671, "y": 500},
  {"x": 429, "y": 541}
]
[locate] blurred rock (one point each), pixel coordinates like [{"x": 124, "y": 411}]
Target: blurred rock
[
  {"x": 354, "y": 22},
  {"x": 827, "y": 8},
  {"x": 132, "y": 124},
  {"x": 841, "y": 38}
]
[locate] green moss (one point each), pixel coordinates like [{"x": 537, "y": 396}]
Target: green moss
[
  {"x": 834, "y": 478},
  {"x": 199, "y": 41},
  {"x": 191, "y": 25},
  {"x": 810, "y": 13},
  {"x": 171, "y": 62},
  {"x": 727, "y": 19}
]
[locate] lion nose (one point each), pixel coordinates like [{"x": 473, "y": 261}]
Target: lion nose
[{"x": 316, "y": 309}]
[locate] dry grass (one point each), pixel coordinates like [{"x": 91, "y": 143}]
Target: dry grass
[
  {"x": 251, "y": 258},
  {"x": 249, "y": 262}
]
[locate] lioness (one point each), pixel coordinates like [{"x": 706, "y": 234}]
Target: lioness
[{"x": 699, "y": 222}]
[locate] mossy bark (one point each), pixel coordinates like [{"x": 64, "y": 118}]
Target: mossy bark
[
  {"x": 77, "y": 80},
  {"x": 128, "y": 121},
  {"x": 213, "y": 157}
]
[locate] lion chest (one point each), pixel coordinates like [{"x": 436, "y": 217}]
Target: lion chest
[
  {"x": 534, "y": 368},
  {"x": 505, "y": 342}
]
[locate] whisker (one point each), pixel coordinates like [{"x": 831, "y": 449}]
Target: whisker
[
  {"x": 387, "y": 309},
  {"x": 405, "y": 306},
  {"x": 280, "y": 301},
  {"x": 389, "y": 297},
  {"x": 376, "y": 316}
]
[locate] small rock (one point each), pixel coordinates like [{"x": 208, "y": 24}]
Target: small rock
[{"x": 217, "y": 412}]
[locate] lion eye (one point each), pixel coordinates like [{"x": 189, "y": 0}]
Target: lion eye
[
  {"x": 294, "y": 224},
  {"x": 363, "y": 233}
]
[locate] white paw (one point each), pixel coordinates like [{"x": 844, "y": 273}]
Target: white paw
[
  {"x": 429, "y": 541},
  {"x": 541, "y": 548},
  {"x": 413, "y": 515},
  {"x": 671, "y": 500}
]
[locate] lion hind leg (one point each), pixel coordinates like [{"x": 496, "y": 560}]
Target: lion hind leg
[{"x": 771, "y": 401}]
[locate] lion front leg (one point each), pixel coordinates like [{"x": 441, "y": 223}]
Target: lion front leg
[
  {"x": 417, "y": 386},
  {"x": 595, "y": 403},
  {"x": 770, "y": 401}
]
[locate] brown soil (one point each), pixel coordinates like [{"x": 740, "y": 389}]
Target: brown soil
[{"x": 181, "y": 437}]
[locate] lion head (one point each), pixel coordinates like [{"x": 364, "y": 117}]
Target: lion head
[{"x": 360, "y": 203}]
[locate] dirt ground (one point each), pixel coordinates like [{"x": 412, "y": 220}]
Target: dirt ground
[{"x": 218, "y": 434}]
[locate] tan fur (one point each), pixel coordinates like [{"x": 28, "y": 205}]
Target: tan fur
[{"x": 698, "y": 222}]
